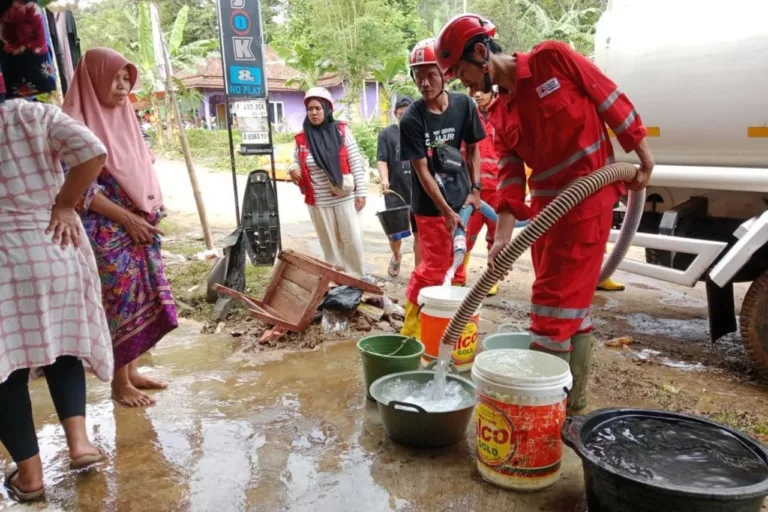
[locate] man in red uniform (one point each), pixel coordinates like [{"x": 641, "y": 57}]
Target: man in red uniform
[
  {"x": 551, "y": 114},
  {"x": 437, "y": 118},
  {"x": 489, "y": 180}
]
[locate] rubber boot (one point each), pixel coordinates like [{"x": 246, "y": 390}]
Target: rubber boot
[
  {"x": 565, "y": 356},
  {"x": 581, "y": 360},
  {"x": 411, "y": 323},
  {"x": 609, "y": 285}
]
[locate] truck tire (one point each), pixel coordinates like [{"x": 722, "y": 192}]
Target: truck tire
[
  {"x": 754, "y": 323},
  {"x": 656, "y": 256}
]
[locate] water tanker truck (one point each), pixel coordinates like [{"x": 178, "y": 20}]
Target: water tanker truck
[{"x": 697, "y": 72}]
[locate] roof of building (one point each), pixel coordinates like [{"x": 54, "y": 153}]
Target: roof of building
[{"x": 208, "y": 74}]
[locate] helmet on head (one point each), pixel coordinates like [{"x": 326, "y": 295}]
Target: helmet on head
[
  {"x": 454, "y": 36},
  {"x": 318, "y": 93},
  {"x": 423, "y": 53}
]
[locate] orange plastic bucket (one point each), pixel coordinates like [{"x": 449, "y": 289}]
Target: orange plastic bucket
[{"x": 438, "y": 306}]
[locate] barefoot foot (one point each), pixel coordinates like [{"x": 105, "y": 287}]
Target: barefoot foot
[
  {"x": 127, "y": 395},
  {"x": 141, "y": 382}
]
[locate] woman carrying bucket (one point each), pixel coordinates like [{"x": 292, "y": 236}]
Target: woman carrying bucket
[{"x": 329, "y": 171}]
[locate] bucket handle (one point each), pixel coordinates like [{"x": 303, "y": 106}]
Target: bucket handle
[
  {"x": 390, "y": 191},
  {"x": 407, "y": 405},
  {"x": 398, "y": 349},
  {"x": 514, "y": 328},
  {"x": 572, "y": 431},
  {"x": 451, "y": 367}
]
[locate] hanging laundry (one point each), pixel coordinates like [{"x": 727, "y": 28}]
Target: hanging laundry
[{"x": 26, "y": 56}]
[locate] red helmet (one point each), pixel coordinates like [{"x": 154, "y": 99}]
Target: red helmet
[
  {"x": 455, "y": 35},
  {"x": 423, "y": 53}
]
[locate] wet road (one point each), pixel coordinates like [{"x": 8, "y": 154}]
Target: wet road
[{"x": 236, "y": 431}]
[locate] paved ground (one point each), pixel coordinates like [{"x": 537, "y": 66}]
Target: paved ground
[{"x": 242, "y": 429}]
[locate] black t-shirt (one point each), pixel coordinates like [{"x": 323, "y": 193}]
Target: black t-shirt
[
  {"x": 459, "y": 123},
  {"x": 388, "y": 151}
]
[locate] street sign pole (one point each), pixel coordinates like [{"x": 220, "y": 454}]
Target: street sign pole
[{"x": 227, "y": 113}]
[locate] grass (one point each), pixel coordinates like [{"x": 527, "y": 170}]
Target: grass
[
  {"x": 188, "y": 279},
  {"x": 751, "y": 424},
  {"x": 210, "y": 148}
]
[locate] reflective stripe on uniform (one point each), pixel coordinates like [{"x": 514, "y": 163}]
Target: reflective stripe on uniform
[
  {"x": 488, "y": 160},
  {"x": 586, "y": 324},
  {"x": 609, "y": 101},
  {"x": 487, "y": 176},
  {"x": 544, "y": 192},
  {"x": 509, "y": 159},
  {"x": 570, "y": 160},
  {"x": 628, "y": 121},
  {"x": 548, "y": 343},
  {"x": 551, "y": 192},
  {"x": 509, "y": 182},
  {"x": 563, "y": 313}
]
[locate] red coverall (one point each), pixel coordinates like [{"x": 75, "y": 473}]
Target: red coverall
[
  {"x": 555, "y": 121},
  {"x": 489, "y": 180}
]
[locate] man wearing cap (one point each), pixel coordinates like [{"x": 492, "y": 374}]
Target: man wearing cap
[
  {"x": 551, "y": 114},
  {"x": 438, "y": 118},
  {"x": 396, "y": 183}
]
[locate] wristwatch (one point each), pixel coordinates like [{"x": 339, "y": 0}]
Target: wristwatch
[{"x": 477, "y": 186}]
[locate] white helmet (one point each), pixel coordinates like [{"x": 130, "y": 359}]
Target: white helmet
[{"x": 319, "y": 93}]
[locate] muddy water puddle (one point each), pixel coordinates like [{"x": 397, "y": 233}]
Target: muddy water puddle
[{"x": 238, "y": 431}]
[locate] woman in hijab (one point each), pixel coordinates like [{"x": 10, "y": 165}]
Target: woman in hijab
[
  {"x": 328, "y": 168},
  {"x": 121, "y": 213}
]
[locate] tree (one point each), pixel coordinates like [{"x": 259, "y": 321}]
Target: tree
[
  {"x": 307, "y": 62},
  {"x": 574, "y": 24},
  {"x": 357, "y": 35},
  {"x": 393, "y": 80}
]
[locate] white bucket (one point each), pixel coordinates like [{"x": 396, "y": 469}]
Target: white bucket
[
  {"x": 438, "y": 306},
  {"x": 520, "y": 412}
]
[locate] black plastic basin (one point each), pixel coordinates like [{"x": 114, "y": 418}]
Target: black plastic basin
[{"x": 611, "y": 490}]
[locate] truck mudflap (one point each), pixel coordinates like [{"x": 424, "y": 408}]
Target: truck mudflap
[
  {"x": 752, "y": 235},
  {"x": 705, "y": 251}
]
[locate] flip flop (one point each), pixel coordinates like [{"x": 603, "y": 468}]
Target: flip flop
[
  {"x": 87, "y": 460},
  {"x": 18, "y": 493},
  {"x": 394, "y": 267}
]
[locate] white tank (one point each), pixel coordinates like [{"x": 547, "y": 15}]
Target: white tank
[{"x": 697, "y": 72}]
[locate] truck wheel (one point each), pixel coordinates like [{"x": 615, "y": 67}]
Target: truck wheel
[{"x": 754, "y": 323}]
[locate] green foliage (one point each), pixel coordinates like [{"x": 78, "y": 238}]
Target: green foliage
[
  {"x": 177, "y": 32},
  {"x": 121, "y": 18},
  {"x": 283, "y": 138},
  {"x": 308, "y": 62},
  {"x": 367, "y": 135}
]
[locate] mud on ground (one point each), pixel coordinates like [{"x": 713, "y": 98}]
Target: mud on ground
[{"x": 671, "y": 364}]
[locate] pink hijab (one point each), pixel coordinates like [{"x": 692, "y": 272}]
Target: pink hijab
[{"x": 128, "y": 160}]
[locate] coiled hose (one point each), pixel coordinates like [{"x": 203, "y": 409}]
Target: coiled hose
[{"x": 562, "y": 204}]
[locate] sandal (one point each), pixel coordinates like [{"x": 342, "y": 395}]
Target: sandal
[
  {"x": 87, "y": 460},
  {"x": 18, "y": 493},
  {"x": 394, "y": 267}
]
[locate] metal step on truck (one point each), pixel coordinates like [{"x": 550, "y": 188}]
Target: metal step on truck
[{"x": 697, "y": 72}]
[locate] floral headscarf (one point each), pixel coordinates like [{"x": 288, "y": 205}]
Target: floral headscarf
[{"x": 26, "y": 56}]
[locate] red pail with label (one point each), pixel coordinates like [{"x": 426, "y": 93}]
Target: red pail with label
[{"x": 521, "y": 402}]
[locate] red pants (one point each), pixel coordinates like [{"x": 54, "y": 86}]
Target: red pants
[
  {"x": 477, "y": 220},
  {"x": 567, "y": 261},
  {"x": 436, "y": 246}
]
